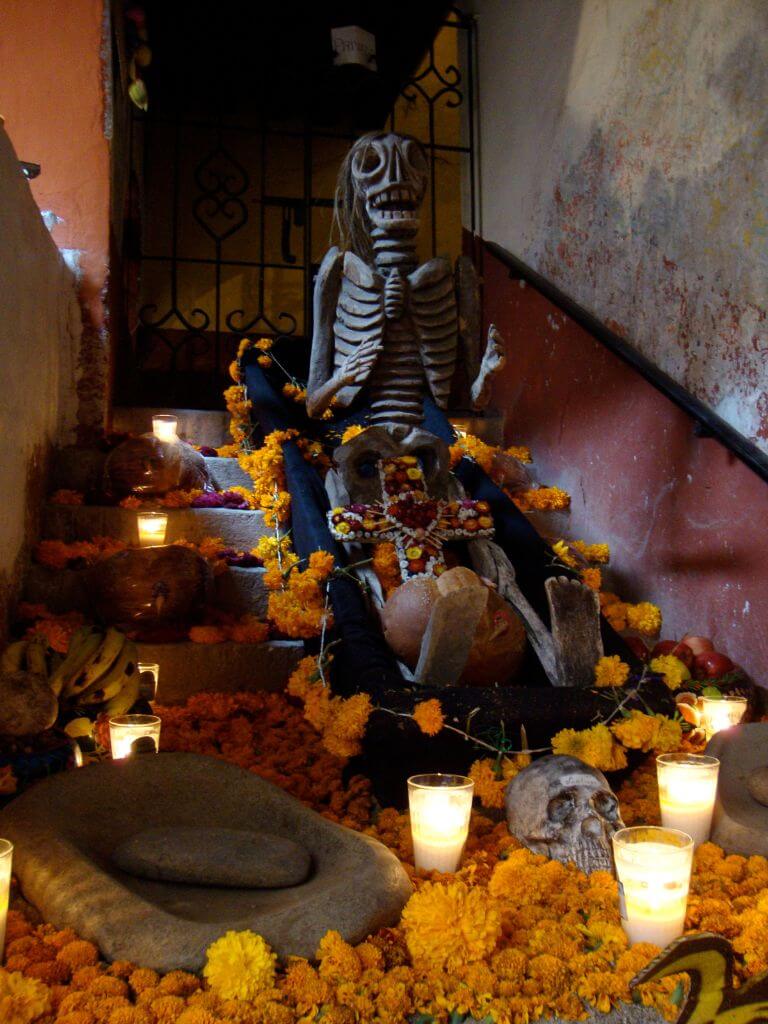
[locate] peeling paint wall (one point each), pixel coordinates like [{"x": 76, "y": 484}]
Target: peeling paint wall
[
  {"x": 623, "y": 147},
  {"x": 39, "y": 336}
]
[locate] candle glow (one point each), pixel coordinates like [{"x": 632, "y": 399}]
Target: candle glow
[
  {"x": 440, "y": 807},
  {"x": 6, "y": 859},
  {"x": 152, "y": 527},
  {"x": 124, "y": 730},
  {"x": 687, "y": 790},
  {"x": 718, "y": 713},
  {"x": 653, "y": 866},
  {"x": 149, "y": 676},
  {"x": 164, "y": 428}
]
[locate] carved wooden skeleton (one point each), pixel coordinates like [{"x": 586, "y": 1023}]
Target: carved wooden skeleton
[{"x": 381, "y": 321}]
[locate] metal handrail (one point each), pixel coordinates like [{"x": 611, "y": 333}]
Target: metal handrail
[{"x": 706, "y": 422}]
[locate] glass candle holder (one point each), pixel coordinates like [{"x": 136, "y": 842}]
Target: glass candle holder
[
  {"x": 718, "y": 713},
  {"x": 152, "y": 527},
  {"x": 687, "y": 790},
  {"x": 653, "y": 866},
  {"x": 164, "y": 428},
  {"x": 125, "y": 730},
  {"x": 440, "y": 807},
  {"x": 149, "y": 676},
  {"x": 6, "y": 860}
]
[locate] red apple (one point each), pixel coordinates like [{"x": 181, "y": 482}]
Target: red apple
[
  {"x": 698, "y": 644},
  {"x": 677, "y": 647},
  {"x": 712, "y": 665},
  {"x": 637, "y": 646}
]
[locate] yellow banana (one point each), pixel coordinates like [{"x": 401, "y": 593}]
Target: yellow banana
[{"x": 110, "y": 684}]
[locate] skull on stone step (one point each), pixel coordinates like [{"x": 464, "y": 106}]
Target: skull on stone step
[
  {"x": 388, "y": 175},
  {"x": 563, "y": 808}
]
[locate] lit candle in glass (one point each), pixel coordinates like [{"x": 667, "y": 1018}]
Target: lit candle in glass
[
  {"x": 440, "y": 808},
  {"x": 149, "y": 676},
  {"x": 687, "y": 790},
  {"x": 718, "y": 713},
  {"x": 125, "y": 730},
  {"x": 653, "y": 866},
  {"x": 152, "y": 527},
  {"x": 6, "y": 858},
  {"x": 164, "y": 428}
]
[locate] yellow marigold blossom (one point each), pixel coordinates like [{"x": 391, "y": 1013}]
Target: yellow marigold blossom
[
  {"x": 639, "y": 731},
  {"x": 542, "y": 499},
  {"x": 563, "y": 553},
  {"x": 598, "y": 554},
  {"x": 228, "y": 451},
  {"x": 592, "y": 577},
  {"x": 321, "y": 563},
  {"x": 346, "y": 726},
  {"x": 611, "y": 671},
  {"x": 22, "y": 1000},
  {"x": 264, "y": 344},
  {"x": 595, "y": 746},
  {"x": 472, "y": 447},
  {"x": 387, "y": 566},
  {"x": 234, "y": 371},
  {"x": 428, "y": 715},
  {"x": 645, "y": 618},
  {"x": 352, "y": 431},
  {"x": 240, "y": 965},
  {"x": 264, "y": 361},
  {"x": 448, "y": 925},
  {"x": 338, "y": 960},
  {"x": 520, "y": 452},
  {"x": 675, "y": 672},
  {"x": 491, "y": 778}
]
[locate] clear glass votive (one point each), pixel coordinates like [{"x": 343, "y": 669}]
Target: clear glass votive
[
  {"x": 149, "y": 676},
  {"x": 164, "y": 428},
  {"x": 653, "y": 866},
  {"x": 6, "y": 861},
  {"x": 687, "y": 791},
  {"x": 440, "y": 807},
  {"x": 125, "y": 730},
  {"x": 718, "y": 713},
  {"x": 152, "y": 527}
]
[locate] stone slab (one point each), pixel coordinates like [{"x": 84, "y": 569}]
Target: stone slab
[
  {"x": 66, "y": 827},
  {"x": 240, "y": 530},
  {"x": 82, "y": 469},
  {"x": 232, "y": 858},
  {"x": 740, "y": 823},
  {"x": 198, "y": 426},
  {"x": 227, "y": 473},
  {"x": 62, "y": 590},
  {"x": 187, "y": 668}
]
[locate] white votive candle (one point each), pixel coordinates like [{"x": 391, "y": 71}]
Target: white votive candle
[
  {"x": 653, "y": 866},
  {"x": 687, "y": 790},
  {"x": 6, "y": 859},
  {"x": 718, "y": 713},
  {"x": 152, "y": 527},
  {"x": 149, "y": 676},
  {"x": 124, "y": 730},
  {"x": 164, "y": 428},
  {"x": 440, "y": 807}
]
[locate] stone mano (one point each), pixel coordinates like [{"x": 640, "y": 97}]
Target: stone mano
[{"x": 66, "y": 829}]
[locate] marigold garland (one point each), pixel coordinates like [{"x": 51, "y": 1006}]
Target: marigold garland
[
  {"x": 297, "y": 606},
  {"x": 597, "y": 746}
]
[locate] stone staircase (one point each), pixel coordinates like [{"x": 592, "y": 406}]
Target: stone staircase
[{"x": 185, "y": 667}]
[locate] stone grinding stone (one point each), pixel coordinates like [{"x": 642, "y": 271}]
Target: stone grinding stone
[
  {"x": 214, "y": 856},
  {"x": 757, "y": 784},
  {"x": 65, "y": 828},
  {"x": 740, "y": 822}
]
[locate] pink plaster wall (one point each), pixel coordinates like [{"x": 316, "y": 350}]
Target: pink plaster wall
[
  {"x": 684, "y": 518},
  {"x": 53, "y": 101}
]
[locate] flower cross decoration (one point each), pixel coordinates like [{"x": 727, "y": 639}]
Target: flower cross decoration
[{"x": 418, "y": 525}]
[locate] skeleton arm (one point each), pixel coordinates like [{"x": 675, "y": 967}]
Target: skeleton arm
[{"x": 480, "y": 371}]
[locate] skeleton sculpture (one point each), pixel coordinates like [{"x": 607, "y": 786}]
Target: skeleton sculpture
[
  {"x": 381, "y": 321},
  {"x": 565, "y": 809}
]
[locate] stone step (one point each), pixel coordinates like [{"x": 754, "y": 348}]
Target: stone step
[
  {"x": 198, "y": 426},
  {"x": 82, "y": 469},
  {"x": 238, "y": 591},
  {"x": 240, "y": 530},
  {"x": 187, "y": 668}
]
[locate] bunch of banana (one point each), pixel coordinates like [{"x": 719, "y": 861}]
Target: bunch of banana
[
  {"x": 99, "y": 673},
  {"x": 28, "y": 655}
]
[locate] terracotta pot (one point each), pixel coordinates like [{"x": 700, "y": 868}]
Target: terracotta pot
[{"x": 146, "y": 466}]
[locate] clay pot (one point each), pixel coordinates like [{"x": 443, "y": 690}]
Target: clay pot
[
  {"x": 499, "y": 645},
  {"x": 141, "y": 589},
  {"x": 27, "y": 704},
  {"x": 146, "y": 466}
]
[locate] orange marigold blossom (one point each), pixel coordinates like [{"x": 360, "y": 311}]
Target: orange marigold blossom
[{"x": 428, "y": 715}]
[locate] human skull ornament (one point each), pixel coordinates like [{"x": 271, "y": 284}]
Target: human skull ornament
[
  {"x": 563, "y": 808},
  {"x": 389, "y": 174}
]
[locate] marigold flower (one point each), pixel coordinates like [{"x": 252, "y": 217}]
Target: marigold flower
[
  {"x": 22, "y": 1000},
  {"x": 338, "y": 960},
  {"x": 78, "y": 954},
  {"x": 428, "y": 715},
  {"x": 645, "y": 618},
  {"x": 240, "y": 965},
  {"x": 592, "y": 577},
  {"x": 648, "y": 732},
  {"x": 595, "y": 746},
  {"x": 611, "y": 671},
  {"x": 352, "y": 431},
  {"x": 448, "y": 925},
  {"x": 264, "y": 344},
  {"x": 675, "y": 672}
]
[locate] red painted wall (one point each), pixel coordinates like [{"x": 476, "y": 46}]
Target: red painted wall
[
  {"x": 686, "y": 520},
  {"x": 52, "y": 99}
]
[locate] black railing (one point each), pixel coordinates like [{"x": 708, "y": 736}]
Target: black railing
[{"x": 706, "y": 422}]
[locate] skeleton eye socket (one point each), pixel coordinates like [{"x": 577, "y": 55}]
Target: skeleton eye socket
[
  {"x": 370, "y": 160},
  {"x": 414, "y": 155},
  {"x": 606, "y": 805},
  {"x": 560, "y": 806}
]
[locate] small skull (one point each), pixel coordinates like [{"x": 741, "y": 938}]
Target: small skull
[
  {"x": 565, "y": 809},
  {"x": 389, "y": 173}
]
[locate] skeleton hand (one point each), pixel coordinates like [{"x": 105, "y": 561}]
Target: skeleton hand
[
  {"x": 357, "y": 366},
  {"x": 494, "y": 360}
]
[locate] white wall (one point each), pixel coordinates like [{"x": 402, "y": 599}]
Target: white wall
[
  {"x": 39, "y": 333},
  {"x": 623, "y": 154}
]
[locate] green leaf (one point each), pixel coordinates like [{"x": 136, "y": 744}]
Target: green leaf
[
  {"x": 678, "y": 993},
  {"x": 711, "y": 691},
  {"x": 421, "y": 1018}
]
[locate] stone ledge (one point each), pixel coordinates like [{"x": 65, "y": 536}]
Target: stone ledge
[{"x": 82, "y": 469}]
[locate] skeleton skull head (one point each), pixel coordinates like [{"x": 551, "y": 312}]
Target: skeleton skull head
[
  {"x": 388, "y": 174},
  {"x": 565, "y": 809}
]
